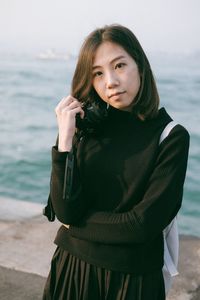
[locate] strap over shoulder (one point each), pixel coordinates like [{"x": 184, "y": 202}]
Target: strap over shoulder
[
  {"x": 170, "y": 235},
  {"x": 167, "y": 130}
]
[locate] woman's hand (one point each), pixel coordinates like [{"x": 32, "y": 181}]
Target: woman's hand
[{"x": 66, "y": 111}]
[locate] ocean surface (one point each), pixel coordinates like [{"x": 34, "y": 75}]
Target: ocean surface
[{"x": 30, "y": 88}]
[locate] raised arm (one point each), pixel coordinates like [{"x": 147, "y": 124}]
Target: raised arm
[
  {"x": 159, "y": 205},
  {"x": 67, "y": 212}
]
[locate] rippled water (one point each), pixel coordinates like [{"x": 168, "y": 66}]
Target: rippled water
[{"x": 30, "y": 89}]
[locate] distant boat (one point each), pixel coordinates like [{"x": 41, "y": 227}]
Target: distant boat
[{"x": 51, "y": 54}]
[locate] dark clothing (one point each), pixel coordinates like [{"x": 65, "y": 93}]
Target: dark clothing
[
  {"x": 73, "y": 279},
  {"x": 131, "y": 189},
  {"x": 126, "y": 189}
]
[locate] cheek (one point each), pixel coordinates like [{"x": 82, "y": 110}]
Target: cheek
[
  {"x": 98, "y": 86},
  {"x": 134, "y": 81}
]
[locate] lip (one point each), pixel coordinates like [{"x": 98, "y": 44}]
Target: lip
[{"x": 116, "y": 94}]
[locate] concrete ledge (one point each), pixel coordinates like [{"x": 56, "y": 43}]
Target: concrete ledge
[
  {"x": 13, "y": 210},
  {"x": 26, "y": 245},
  {"x": 186, "y": 285}
]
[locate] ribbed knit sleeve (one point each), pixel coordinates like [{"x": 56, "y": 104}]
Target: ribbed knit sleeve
[
  {"x": 67, "y": 212},
  {"x": 159, "y": 205}
]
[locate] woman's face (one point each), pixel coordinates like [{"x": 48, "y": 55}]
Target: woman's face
[{"x": 116, "y": 77}]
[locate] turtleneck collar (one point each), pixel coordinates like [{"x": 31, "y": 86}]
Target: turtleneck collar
[{"x": 121, "y": 117}]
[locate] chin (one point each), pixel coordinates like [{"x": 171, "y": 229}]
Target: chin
[{"x": 123, "y": 107}]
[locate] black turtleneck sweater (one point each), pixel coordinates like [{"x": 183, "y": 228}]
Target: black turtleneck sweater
[{"x": 131, "y": 188}]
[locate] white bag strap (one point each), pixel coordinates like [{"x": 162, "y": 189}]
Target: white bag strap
[
  {"x": 169, "y": 263},
  {"x": 167, "y": 130},
  {"x": 171, "y": 255}
]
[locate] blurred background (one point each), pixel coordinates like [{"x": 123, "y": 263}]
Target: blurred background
[{"x": 39, "y": 43}]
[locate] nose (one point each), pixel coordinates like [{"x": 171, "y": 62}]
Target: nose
[{"x": 111, "y": 80}]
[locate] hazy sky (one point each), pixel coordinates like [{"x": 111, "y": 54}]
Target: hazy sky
[{"x": 172, "y": 25}]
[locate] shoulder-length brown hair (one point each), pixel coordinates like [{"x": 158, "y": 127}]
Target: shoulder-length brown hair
[{"x": 147, "y": 100}]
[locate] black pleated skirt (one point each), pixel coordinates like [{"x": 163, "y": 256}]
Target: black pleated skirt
[{"x": 73, "y": 279}]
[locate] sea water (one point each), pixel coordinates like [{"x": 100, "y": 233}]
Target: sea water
[{"x": 31, "y": 87}]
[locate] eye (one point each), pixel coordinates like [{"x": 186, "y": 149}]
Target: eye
[
  {"x": 97, "y": 74},
  {"x": 120, "y": 65}
]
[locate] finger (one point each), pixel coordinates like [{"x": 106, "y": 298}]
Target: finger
[
  {"x": 67, "y": 99},
  {"x": 68, "y": 107},
  {"x": 82, "y": 114},
  {"x": 74, "y": 104},
  {"x": 77, "y": 110},
  {"x": 64, "y": 102}
]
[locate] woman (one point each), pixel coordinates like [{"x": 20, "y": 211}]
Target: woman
[{"x": 125, "y": 187}]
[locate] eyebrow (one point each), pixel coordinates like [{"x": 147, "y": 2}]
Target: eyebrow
[{"x": 112, "y": 61}]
